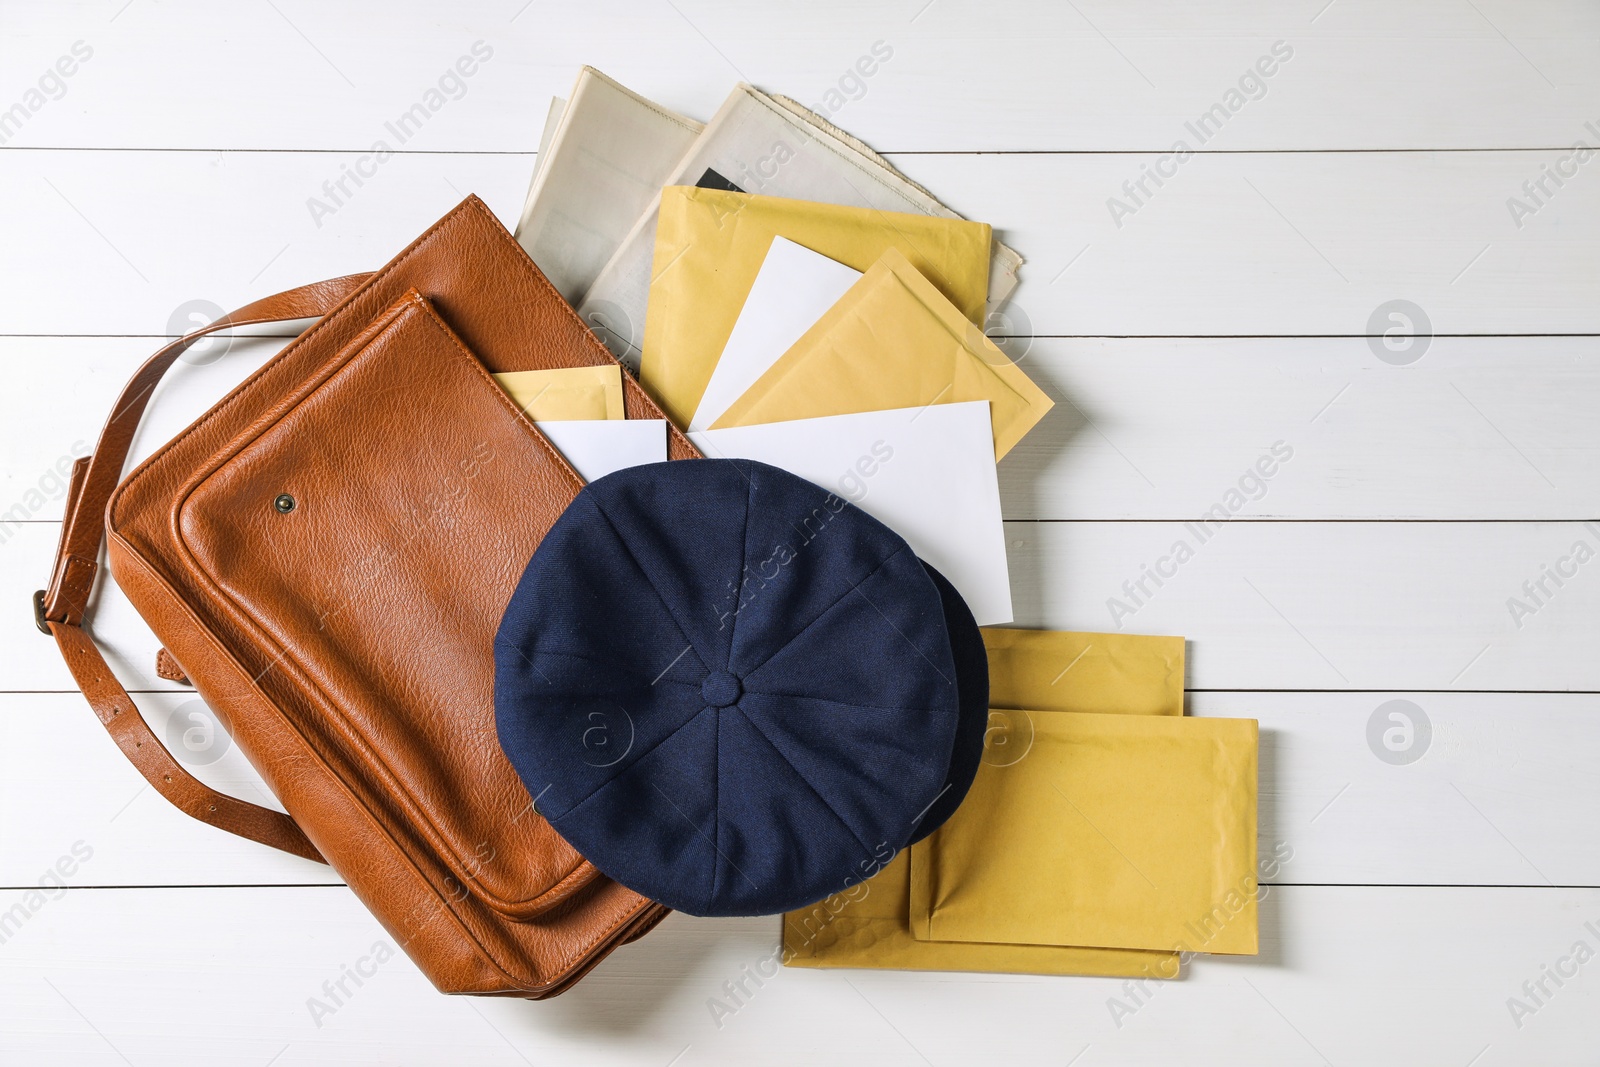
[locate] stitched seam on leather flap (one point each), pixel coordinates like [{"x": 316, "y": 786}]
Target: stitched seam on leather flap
[
  {"x": 346, "y": 308},
  {"x": 397, "y": 315},
  {"x": 354, "y": 803},
  {"x": 355, "y": 303}
]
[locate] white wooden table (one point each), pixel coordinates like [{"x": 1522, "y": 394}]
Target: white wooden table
[{"x": 1184, "y": 331}]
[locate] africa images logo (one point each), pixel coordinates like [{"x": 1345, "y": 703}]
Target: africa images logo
[
  {"x": 1252, "y": 485},
  {"x": 1252, "y": 85},
  {"x": 451, "y": 85}
]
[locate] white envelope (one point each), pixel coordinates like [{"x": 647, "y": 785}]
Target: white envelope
[
  {"x": 793, "y": 288},
  {"x": 596, "y": 447},
  {"x": 771, "y": 146},
  {"x": 927, "y": 473},
  {"x": 601, "y": 163}
]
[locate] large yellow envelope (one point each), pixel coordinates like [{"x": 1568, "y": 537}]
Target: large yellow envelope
[
  {"x": 892, "y": 341},
  {"x": 1053, "y": 670},
  {"x": 566, "y": 394},
  {"x": 869, "y": 925},
  {"x": 710, "y": 245},
  {"x": 1123, "y": 831}
]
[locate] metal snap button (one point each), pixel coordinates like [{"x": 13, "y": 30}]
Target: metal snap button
[{"x": 284, "y": 503}]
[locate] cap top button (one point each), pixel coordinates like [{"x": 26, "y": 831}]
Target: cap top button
[{"x": 721, "y": 689}]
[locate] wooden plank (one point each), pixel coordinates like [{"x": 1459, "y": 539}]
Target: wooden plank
[
  {"x": 1281, "y": 244},
  {"x": 63, "y": 780},
  {"x": 1498, "y": 793},
  {"x": 202, "y": 977},
  {"x": 133, "y": 255},
  {"x": 63, "y": 390},
  {"x": 1277, "y": 244},
  {"x": 1387, "y": 605},
  {"x": 1493, "y": 428},
  {"x": 1496, "y": 428},
  {"x": 1267, "y": 605},
  {"x": 1461, "y": 789},
  {"x": 1092, "y": 76},
  {"x": 1125, "y": 413}
]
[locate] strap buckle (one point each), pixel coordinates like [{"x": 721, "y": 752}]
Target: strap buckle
[{"x": 38, "y": 613}]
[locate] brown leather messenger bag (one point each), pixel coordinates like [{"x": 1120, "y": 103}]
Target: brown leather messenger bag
[{"x": 326, "y": 554}]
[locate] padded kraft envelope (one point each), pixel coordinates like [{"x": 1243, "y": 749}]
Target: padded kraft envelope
[
  {"x": 869, "y": 925},
  {"x": 710, "y": 245},
  {"x": 892, "y": 341},
  {"x": 1053, "y": 670},
  {"x": 1125, "y": 831},
  {"x": 566, "y": 394}
]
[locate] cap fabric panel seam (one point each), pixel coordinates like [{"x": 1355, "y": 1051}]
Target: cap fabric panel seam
[
  {"x": 733, "y": 636},
  {"x": 799, "y": 774},
  {"x": 537, "y": 651},
  {"x": 824, "y": 612},
  {"x": 630, "y": 764},
  {"x": 623, "y": 541}
]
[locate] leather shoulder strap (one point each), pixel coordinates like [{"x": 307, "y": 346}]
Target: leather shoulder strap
[{"x": 59, "y": 610}]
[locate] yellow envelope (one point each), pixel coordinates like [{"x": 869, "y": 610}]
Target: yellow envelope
[
  {"x": 1052, "y": 670},
  {"x": 869, "y": 925},
  {"x": 892, "y": 341},
  {"x": 709, "y": 248},
  {"x": 566, "y": 394},
  {"x": 1122, "y": 831}
]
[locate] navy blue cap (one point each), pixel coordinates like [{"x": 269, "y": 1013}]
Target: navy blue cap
[
  {"x": 972, "y": 688},
  {"x": 732, "y": 691}
]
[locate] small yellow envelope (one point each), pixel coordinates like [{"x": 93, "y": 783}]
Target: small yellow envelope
[
  {"x": 892, "y": 341},
  {"x": 710, "y": 245},
  {"x": 1052, "y": 670},
  {"x": 1123, "y": 831},
  {"x": 869, "y": 925},
  {"x": 566, "y": 394}
]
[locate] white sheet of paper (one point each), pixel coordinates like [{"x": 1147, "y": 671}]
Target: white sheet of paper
[
  {"x": 596, "y": 447},
  {"x": 926, "y": 473},
  {"x": 793, "y": 288}
]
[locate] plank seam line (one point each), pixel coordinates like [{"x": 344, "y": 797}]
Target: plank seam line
[
  {"x": 1435, "y": 150},
  {"x": 1276, "y": 885},
  {"x": 994, "y": 336},
  {"x": 1232, "y": 689}
]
